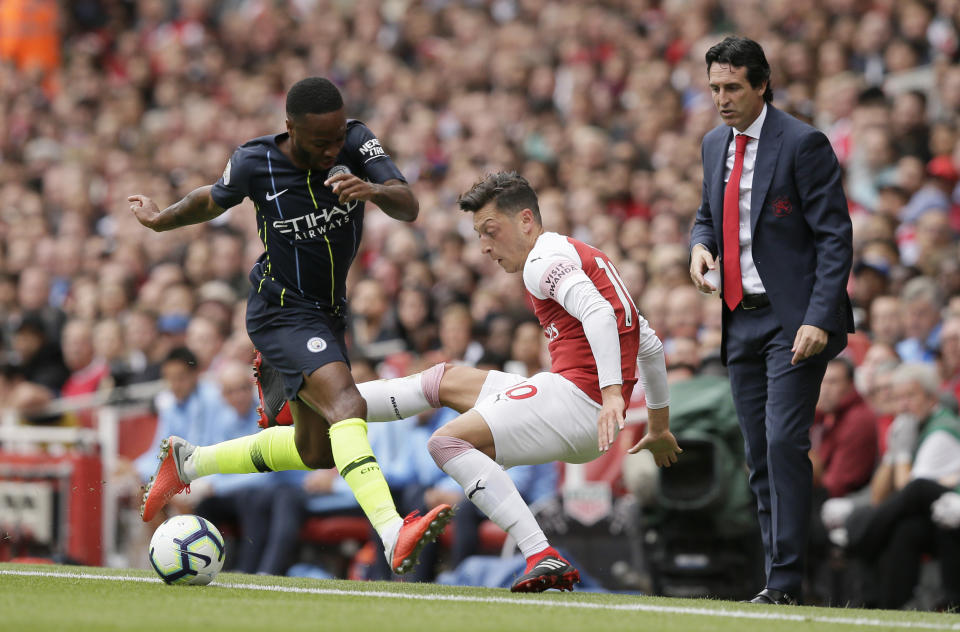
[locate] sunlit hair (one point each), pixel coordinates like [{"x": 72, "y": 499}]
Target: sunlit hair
[
  {"x": 510, "y": 192},
  {"x": 741, "y": 52}
]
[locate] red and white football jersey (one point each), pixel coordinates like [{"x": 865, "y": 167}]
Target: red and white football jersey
[{"x": 551, "y": 261}]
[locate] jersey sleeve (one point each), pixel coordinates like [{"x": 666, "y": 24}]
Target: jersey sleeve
[
  {"x": 545, "y": 275},
  {"x": 375, "y": 163},
  {"x": 233, "y": 185}
]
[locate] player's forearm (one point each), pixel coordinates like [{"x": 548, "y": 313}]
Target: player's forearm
[
  {"x": 652, "y": 370},
  {"x": 658, "y": 420},
  {"x": 198, "y": 206},
  {"x": 396, "y": 200},
  {"x": 612, "y": 395}
]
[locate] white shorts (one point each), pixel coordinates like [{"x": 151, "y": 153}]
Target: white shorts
[{"x": 539, "y": 419}]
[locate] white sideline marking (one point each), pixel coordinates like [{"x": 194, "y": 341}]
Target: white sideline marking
[{"x": 733, "y": 614}]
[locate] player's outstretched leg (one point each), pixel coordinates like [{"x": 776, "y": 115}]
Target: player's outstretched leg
[
  {"x": 458, "y": 387},
  {"x": 416, "y": 532},
  {"x": 169, "y": 479},
  {"x": 181, "y": 463}
]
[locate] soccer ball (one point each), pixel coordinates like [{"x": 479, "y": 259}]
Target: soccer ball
[{"x": 187, "y": 549}]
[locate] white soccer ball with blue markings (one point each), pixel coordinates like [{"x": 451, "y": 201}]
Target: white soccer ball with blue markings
[{"x": 187, "y": 549}]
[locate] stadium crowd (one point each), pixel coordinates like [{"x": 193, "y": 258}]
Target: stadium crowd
[{"x": 601, "y": 105}]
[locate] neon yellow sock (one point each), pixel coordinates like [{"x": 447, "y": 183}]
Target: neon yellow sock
[
  {"x": 358, "y": 466},
  {"x": 269, "y": 450}
]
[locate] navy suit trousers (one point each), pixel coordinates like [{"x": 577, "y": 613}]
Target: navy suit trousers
[{"x": 775, "y": 404}]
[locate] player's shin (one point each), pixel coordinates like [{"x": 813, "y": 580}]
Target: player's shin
[
  {"x": 359, "y": 468},
  {"x": 489, "y": 487},
  {"x": 270, "y": 450},
  {"x": 399, "y": 398}
]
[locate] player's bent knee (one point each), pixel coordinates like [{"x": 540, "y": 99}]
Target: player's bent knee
[
  {"x": 444, "y": 447},
  {"x": 316, "y": 453},
  {"x": 317, "y": 461}
]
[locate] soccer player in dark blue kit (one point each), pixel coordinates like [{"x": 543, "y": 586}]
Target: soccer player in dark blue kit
[{"x": 309, "y": 186}]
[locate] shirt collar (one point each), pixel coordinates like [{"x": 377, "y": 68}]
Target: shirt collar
[{"x": 754, "y": 130}]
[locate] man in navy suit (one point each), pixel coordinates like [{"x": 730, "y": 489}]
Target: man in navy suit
[{"x": 773, "y": 217}]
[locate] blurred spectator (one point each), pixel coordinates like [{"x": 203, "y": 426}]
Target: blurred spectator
[
  {"x": 205, "y": 338},
  {"x": 88, "y": 370},
  {"x": 844, "y": 434},
  {"x": 456, "y": 337},
  {"x": 371, "y": 325},
  {"x": 950, "y": 356},
  {"x": 415, "y": 319},
  {"x": 921, "y": 464},
  {"x": 35, "y": 371},
  {"x": 871, "y": 278},
  {"x": 921, "y": 320},
  {"x": 684, "y": 313},
  {"x": 886, "y": 320},
  {"x": 185, "y": 410},
  {"x": 527, "y": 350},
  {"x": 141, "y": 362},
  {"x": 683, "y": 358}
]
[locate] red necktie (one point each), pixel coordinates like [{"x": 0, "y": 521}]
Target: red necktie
[{"x": 732, "y": 281}]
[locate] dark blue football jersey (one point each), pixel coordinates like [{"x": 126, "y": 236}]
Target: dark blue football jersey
[{"x": 309, "y": 237}]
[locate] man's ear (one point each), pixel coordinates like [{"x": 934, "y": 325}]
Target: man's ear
[{"x": 526, "y": 217}]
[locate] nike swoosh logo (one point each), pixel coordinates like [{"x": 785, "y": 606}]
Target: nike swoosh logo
[
  {"x": 474, "y": 491},
  {"x": 271, "y": 198},
  {"x": 176, "y": 459},
  {"x": 204, "y": 558},
  {"x": 536, "y": 259}
]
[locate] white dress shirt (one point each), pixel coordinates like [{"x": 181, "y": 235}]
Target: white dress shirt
[{"x": 748, "y": 270}]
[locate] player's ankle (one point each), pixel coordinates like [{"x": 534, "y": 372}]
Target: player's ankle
[{"x": 544, "y": 552}]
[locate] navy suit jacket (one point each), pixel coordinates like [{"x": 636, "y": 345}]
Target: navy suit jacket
[{"x": 800, "y": 224}]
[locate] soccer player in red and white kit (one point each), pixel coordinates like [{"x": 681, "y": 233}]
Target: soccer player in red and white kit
[{"x": 599, "y": 346}]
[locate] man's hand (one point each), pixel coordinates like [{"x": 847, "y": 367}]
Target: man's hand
[
  {"x": 145, "y": 210},
  {"x": 663, "y": 446},
  {"x": 611, "y": 418},
  {"x": 809, "y": 342},
  {"x": 700, "y": 261},
  {"x": 350, "y": 188}
]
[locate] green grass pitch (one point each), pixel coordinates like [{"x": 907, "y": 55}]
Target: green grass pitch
[{"x": 74, "y": 599}]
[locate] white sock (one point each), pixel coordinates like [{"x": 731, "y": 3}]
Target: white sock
[
  {"x": 388, "y": 535},
  {"x": 399, "y": 398},
  {"x": 493, "y": 492}
]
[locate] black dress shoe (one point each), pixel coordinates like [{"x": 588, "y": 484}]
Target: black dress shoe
[{"x": 773, "y": 597}]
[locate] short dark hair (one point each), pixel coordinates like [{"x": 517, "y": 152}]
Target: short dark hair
[
  {"x": 183, "y": 356},
  {"x": 741, "y": 52},
  {"x": 313, "y": 95},
  {"x": 507, "y": 189}
]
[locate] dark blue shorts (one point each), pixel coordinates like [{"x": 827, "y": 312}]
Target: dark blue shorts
[{"x": 295, "y": 340}]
